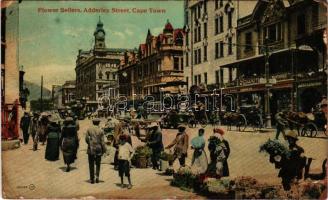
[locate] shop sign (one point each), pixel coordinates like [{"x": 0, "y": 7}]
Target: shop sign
[{"x": 310, "y": 84}]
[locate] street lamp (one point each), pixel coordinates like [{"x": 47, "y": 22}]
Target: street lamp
[{"x": 268, "y": 85}]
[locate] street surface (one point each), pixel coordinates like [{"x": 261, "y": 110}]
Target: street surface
[{"x": 27, "y": 174}]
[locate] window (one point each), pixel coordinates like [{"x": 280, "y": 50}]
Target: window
[
  {"x": 107, "y": 76},
  {"x": 221, "y": 3},
  {"x": 205, "y": 53},
  {"x": 114, "y": 76},
  {"x": 195, "y": 14},
  {"x": 199, "y": 33},
  {"x": 248, "y": 41},
  {"x": 198, "y": 12},
  {"x": 221, "y": 49},
  {"x": 199, "y": 79},
  {"x": 216, "y": 50},
  {"x": 187, "y": 39},
  {"x": 216, "y": 4},
  {"x": 195, "y": 77},
  {"x": 187, "y": 81},
  {"x": 221, "y": 77},
  {"x": 230, "y": 45},
  {"x": 195, "y": 34},
  {"x": 273, "y": 33},
  {"x": 195, "y": 57},
  {"x": 205, "y": 6},
  {"x": 229, "y": 19},
  {"x": 301, "y": 24},
  {"x": 216, "y": 24},
  {"x": 205, "y": 78},
  {"x": 176, "y": 63},
  {"x": 221, "y": 24},
  {"x": 205, "y": 30},
  {"x": 230, "y": 74},
  {"x": 198, "y": 57},
  {"x": 181, "y": 65},
  {"x": 217, "y": 77},
  {"x": 187, "y": 59}
]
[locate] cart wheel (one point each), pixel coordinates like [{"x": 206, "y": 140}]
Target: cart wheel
[
  {"x": 310, "y": 130},
  {"x": 191, "y": 123},
  {"x": 203, "y": 123},
  {"x": 242, "y": 123}
]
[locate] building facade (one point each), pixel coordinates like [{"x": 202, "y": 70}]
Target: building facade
[
  {"x": 96, "y": 68},
  {"x": 68, "y": 90},
  {"x": 281, "y": 56},
  {"x": 11, "y": 77},
  {"x": 210, "y": 28},
  {"x": 156, "y": 67}
]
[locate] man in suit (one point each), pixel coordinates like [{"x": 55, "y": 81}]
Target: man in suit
[
  {"x": 24, "y": 125},
  {"x": 96, "y": 148}
]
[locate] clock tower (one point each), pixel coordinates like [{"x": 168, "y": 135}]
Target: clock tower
[{"x": 99, "y": 35}]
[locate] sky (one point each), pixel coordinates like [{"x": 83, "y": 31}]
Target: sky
[{"x": 49, "y": 42}]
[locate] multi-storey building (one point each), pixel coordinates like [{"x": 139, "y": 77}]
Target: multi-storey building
[
  {"x": 157, "y": 67},
  {"x": 281, "y": 56},
  {"x": 210, "y": 28},
  {"x": 68, "y": 92},
  {"x": 11, "y": 76},
  {"x": 96, "y": 68}
]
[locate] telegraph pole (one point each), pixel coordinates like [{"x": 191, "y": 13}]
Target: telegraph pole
[{"x": 41, "y": 98}]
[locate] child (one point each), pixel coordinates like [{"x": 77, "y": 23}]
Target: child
[{"x": 125, "y": 153}]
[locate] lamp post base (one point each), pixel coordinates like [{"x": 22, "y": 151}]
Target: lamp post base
[{"x": 268, "y": 121}]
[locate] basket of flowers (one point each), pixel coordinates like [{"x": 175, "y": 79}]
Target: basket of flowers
[
  {"x": 218, "y": 188},
  {"x": 274, "y": 147},
  {"x": 166, "y": 159},
  {"x": 184, "y": 179},
  {"x": 141, "y": 156}
]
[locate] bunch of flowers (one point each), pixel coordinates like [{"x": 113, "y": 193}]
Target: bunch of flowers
[
  {"x": 312, "y": 190},
  {"x": 184, "y": 178},
  {"x": 274, "y": 147},
  {"x": 141, "y": 156},
  {"x": 143, "y": 151},
  {"x": 218, "y": 186}
]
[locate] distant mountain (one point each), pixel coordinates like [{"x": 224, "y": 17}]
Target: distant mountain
[{"x": 35, "y": 91}]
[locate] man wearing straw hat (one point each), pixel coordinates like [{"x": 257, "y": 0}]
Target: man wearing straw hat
[{"x": 154, "y": 141}]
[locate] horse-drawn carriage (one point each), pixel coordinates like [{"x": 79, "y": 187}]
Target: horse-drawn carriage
[
  {"x": 247, "y": 115},
  {"x": 307, "y": 124}
]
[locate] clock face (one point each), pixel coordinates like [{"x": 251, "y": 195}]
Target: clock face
[{"x": 100, "y": 34}]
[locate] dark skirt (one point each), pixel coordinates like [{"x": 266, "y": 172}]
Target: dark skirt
[
  {"x": 123, "y": 168},
  {"x": 69, "y": 148},
  {"x": 52, "y": 149}
]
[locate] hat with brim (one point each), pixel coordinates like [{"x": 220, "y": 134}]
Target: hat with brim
[
  {"x": 153, "y": 124},
  {"x": 292, "y": 134},
  {"x": 69, "y": 119},
  {"x": 219, "y": 131},
  {"x": 96, "y": 120}
]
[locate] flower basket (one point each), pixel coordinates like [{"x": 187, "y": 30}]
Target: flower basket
[
  {"x": 184, "y": 179},
  {"x": 142, "y": 162},
  {"x": 274, "y": 147},
  {"x": 141, "y": 156}
]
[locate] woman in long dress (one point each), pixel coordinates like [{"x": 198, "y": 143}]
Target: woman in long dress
[
  {"x": 69, "y": 142},
  {"x": 53, "y": 136},
  {"x": 199, "y": 161},
  {"x": 219, "y": 153}
]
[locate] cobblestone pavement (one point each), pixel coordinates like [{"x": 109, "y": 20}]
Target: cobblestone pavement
[{"x": 27, "y": 174}]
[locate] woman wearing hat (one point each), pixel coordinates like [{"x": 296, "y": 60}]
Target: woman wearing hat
[
  {"x": 180, "y": 144},
  {"x": 53, "y": 136},
  {"x": 69, "y": 142},
  {"x": 291, "y": 166},
  {"x": 219, "y": 153}
]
